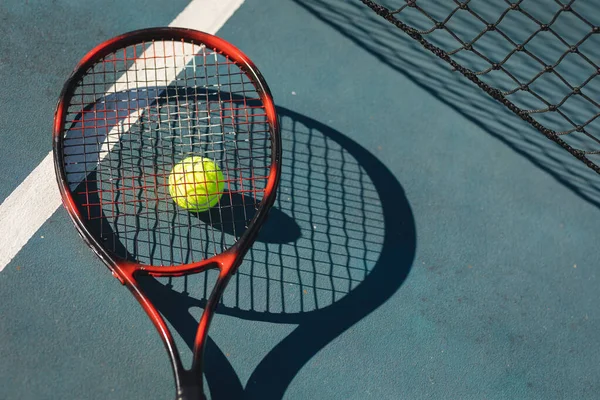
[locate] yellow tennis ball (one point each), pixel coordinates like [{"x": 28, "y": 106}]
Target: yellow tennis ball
[{"x": 196, "y": 183}]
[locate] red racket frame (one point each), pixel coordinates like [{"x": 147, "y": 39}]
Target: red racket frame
[{"x": 189, "y": 383}]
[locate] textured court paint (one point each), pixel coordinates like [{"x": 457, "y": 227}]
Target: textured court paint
[
  {"x": 501, "y": 302},
  {"x": 501, "y": 296},
  {"x": 24, "y": 210}
]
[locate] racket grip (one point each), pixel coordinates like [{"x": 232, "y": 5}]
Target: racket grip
[
  {"x": 190, "y": 393},
  {"x": 189, "y": 388}
]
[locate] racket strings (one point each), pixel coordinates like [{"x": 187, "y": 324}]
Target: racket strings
[
  {"x": 132, "y": 117},
  {"x": 538, "y": 59}
]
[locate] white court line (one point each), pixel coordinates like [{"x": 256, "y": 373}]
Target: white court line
[{"x": 26, "y": 209}]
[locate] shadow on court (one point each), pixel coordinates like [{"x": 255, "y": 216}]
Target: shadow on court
[
  {"x": 281, "y": 229},
  {"x": 338, "y": 244},
  {"x": 391, "y": 46}
]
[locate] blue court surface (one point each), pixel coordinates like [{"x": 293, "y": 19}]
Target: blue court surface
[{"x": 425, "y": 244}]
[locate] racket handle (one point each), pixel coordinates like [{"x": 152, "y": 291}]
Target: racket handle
[
  {"x": 196, "y": 396},
  {"x": 188, "y": 388},
  {"x": 190, "y": 393}
]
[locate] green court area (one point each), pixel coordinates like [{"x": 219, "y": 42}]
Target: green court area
[{"x": 426, "y": 243}]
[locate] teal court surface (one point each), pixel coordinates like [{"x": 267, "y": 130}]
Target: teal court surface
[{"x": 426, "y": 243}]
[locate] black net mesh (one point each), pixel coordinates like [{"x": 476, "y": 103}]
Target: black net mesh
[{"x": 539, "y": 58}]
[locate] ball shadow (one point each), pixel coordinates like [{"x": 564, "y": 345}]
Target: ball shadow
[{"x": 236, "y": 209}]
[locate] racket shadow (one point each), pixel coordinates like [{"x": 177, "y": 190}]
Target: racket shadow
[
  {"x": 339, "y": 242},
  {"x": 349, "y": 244}
]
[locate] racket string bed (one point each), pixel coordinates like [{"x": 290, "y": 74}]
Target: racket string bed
[
  {"x": 538, "y": 59},
  {"x": 137, "y": 128}
]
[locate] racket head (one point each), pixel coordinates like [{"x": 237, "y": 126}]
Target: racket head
[{"x": 90, "y": 126}]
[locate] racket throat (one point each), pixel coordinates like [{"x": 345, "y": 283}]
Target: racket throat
[{"x": 206, "y": 318}]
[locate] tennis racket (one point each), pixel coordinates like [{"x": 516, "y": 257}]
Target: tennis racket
[{"x": 134, "y": 107}]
